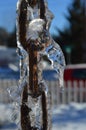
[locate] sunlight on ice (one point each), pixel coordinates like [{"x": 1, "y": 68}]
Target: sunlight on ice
[{"x": 36, "y": 31}]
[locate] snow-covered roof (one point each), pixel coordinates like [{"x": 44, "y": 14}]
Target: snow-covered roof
[{"x": 76, "y": 66}]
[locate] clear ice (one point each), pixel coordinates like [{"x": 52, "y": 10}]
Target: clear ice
[{"x": 54, "y": 60}]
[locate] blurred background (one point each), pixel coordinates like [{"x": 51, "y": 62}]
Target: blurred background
[{"x": 68, "y": 29}]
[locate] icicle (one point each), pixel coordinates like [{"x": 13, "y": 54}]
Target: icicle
[{"x": 55, "y": 54}]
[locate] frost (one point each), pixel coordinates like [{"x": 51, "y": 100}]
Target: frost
[{"x": 35, "y": 29}]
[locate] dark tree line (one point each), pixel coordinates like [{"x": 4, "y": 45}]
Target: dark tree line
[
  {"x": 3, "y": 36},
  {"x": 73, "y": 38},
  {"x": 12, "y": 39},
  {"x": 8, "y": 39}
]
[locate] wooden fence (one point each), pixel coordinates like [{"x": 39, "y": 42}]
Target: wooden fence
[{"x": 73, "y": 91}]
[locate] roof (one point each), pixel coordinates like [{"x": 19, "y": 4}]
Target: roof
[{"x": 76, "y": 66}]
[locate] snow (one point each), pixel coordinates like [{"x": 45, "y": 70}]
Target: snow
[
  {"x": 65, "y": 117},
  {"x": 35, "y": 28},
  {"x": 70, "y": 117}
]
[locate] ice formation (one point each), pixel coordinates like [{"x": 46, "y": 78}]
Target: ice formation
[{"x": 37, "y": 34}]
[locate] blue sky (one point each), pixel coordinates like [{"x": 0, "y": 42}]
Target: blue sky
[{"x": 58, "y": 7}]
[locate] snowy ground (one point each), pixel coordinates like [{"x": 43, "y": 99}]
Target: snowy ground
[
  {"x": 70, "y": 117},
  {"x": 65, "y": 117}
]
